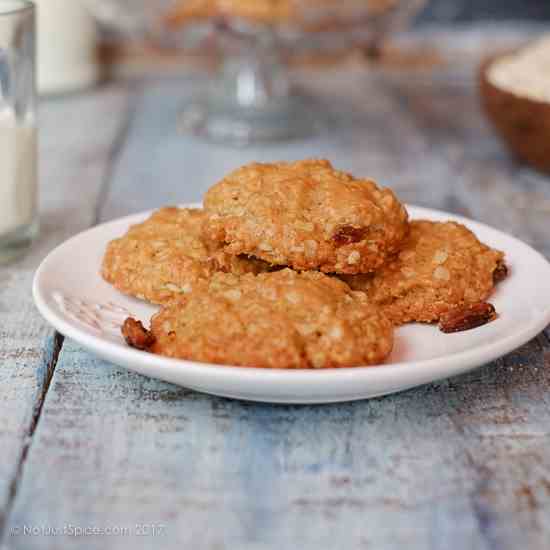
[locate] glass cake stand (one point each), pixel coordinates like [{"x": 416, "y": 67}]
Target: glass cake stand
[{"x": 251, "y": 99}]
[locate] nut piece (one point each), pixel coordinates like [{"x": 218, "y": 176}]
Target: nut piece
[
  {"x": 501, "y": 272},
  {"x": 354, "y": 258},
  {"x": 348, "y": 235},
  {"x": 474, "y": 316},
  {"x": 441, "y": 274},
  {"x": 136, "y": 335}
]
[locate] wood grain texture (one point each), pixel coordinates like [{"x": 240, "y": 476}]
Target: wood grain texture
[
  {"x": 463, "y": 463},
  {"x": 74, "y": 151}
]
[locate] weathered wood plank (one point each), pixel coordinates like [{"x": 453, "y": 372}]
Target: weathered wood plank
[
  {"x": 74, "y": 153},
  {"x": 458, "y": 464},
  {"x": 464, "y": 463}
]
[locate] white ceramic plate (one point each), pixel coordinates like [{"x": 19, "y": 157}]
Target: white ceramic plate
[{"x": 71, "y": 295}]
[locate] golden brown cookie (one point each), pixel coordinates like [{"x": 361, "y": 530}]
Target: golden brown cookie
[
  {"x": 306, "y": 215},
  {"x": 274, "y": 320},
  {"x": 441, "y": 267},
  {"x": 314, "y": 14},
  {"x": 263, "y": 11},
  {"x": 166, "y": 255}
]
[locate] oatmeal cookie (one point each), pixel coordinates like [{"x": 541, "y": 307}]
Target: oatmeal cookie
[
  {"x": 261, "y": 11},
  {"x": 310, "y": 14},
  {"x": 274, "y": 320},
  {"x": 306, "y": 215},
  {"x": 441, "y": 267},
  {"x": 166, "y": 255}
]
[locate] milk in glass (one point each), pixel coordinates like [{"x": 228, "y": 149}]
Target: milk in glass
[{"x": 18, "y": 192}]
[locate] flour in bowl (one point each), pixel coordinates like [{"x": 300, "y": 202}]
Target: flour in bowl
[{"x": 525, "y": 73}]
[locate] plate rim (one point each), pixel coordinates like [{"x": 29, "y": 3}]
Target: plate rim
[{"x": 423, "y": 370}]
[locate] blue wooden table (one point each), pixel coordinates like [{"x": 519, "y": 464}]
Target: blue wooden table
[{"x": 94, "y": 457}]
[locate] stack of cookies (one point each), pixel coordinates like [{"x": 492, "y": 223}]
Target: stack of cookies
[{"x": 297, "y": 265}]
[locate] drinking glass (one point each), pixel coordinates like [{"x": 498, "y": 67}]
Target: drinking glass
[{"x": 18, "y": 144}]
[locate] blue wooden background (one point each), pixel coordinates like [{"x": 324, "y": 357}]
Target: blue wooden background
[
  {"x": 462, "y": 464},
  {"x": 469, "y": 10}
]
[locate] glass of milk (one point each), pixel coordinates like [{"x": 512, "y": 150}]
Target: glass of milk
[{"x": 18, "y": 147}]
